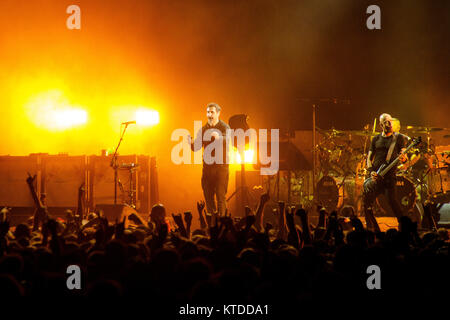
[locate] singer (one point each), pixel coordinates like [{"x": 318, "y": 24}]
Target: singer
[{"x": 215, "y": 175}]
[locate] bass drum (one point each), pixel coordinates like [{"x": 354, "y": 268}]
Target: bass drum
[
  {"x": 350, "y": 194},
  {"x": 327, "y": 193},
  {"x": 405, "y": 195}
]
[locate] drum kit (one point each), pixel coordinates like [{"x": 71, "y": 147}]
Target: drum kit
[{"x": 341, "y": 158}]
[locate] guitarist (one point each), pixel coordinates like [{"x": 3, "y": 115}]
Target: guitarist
[{"x": 384, "y": 148}]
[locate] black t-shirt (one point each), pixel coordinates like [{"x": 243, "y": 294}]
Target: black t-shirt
[
  {"x": 380, "y": 147},
  {"x": 222, "y": 127}
]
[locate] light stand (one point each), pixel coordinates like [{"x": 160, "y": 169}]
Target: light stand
[{"x": 235, "y": 122}]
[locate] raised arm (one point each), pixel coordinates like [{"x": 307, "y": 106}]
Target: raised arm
[
  {"x": 259, "y": 212},
  {"x": 282, "y": 228}
]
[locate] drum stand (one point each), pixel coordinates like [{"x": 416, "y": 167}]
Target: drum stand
[
  {"x": 114, "y": 163},
  {"x": 132, "y": 167}
]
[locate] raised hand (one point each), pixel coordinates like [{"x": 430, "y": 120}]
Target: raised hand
[
  {"x": 31, "y": 179},
  {"x": 178, "y": 219},
  {"x": 227, "y": 221},
  {"x": 260, "y": 211},
  {"x": 200, "y": 206},
  {"x": 179, "y": 222},
  {"x": 188, "y": 218},
  {"x": 306, "y": 234}
]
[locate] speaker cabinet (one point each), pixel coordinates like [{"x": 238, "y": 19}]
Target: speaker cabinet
[
  {"x": 147, "y": 189},
  {"x": 61, "y": 178},
  {"x": 14, "y": 171}
]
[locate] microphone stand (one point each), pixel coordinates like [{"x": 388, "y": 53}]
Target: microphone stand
[{"x": 113, "y": 162}]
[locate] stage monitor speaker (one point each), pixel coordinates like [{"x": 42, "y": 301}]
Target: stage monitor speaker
[
  {"x": 444, "y": 215},
  {"x": 62, "y": 175},
  {"x": 118, "y": 212},
  {"x": 147, "y": 184},
  {"x": 14, "y": 191}
]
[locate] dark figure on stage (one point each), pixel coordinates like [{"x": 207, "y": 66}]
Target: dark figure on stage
[
  {"x": 214, "y": 175},
  {"x": 379, "y": 154}
]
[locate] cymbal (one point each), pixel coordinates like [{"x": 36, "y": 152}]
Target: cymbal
[
  {"x": 363, "y": 133},
  {"x": 417, "y": 129},
  {"x": 331, "y": 132}
]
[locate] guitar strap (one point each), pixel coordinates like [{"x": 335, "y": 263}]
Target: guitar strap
[{"x": 391, "y": 147}]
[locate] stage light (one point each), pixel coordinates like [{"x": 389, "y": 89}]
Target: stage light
[
  {"x": 69, "y": 118},
  {"x": 52, "y": 110},
  {"x": 248, "y": 156},
  {"x": 147, "y": 117}
]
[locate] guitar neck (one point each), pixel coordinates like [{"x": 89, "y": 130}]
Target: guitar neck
[{"x": 395, "y": 162}]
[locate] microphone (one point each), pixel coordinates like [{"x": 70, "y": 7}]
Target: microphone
[{"x": 129, "y": 122}]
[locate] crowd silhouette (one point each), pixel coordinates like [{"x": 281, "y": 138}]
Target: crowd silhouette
[{"x": 225, "y": 260}]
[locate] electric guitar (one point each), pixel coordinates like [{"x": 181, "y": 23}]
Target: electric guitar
[{"x": 385, "y": 168}]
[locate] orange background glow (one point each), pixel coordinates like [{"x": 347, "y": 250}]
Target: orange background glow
[{"x": 68, "y": 91}]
